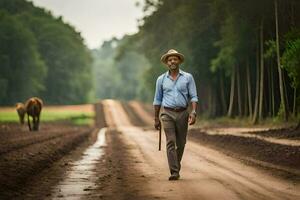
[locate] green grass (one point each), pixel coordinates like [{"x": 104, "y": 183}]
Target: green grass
[{"x": 76, "y": 117}]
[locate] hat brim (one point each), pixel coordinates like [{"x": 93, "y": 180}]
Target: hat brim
[{"x": 165, "y": 56}]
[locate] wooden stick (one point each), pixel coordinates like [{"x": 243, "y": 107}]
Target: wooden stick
[{"x": 159, "y": 141}]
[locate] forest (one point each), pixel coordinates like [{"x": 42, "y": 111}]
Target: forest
[
  {"x": 244, "y": 56},
  {"x": 40, "y": 55}
]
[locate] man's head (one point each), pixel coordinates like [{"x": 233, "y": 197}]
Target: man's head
[
  {"x": 173, "y": 62},
  {"x": 172, "y": 59}
]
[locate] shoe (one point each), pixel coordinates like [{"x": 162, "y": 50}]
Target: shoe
[{"x": 174, "y": 177}]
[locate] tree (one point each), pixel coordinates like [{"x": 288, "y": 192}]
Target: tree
[
  {"x": 282, "y": 97},
  {"x": 59, "y": 48},
  {"x": 22, "y": 69}
]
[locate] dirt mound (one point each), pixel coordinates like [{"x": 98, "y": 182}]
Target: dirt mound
[
  {"x": 283, "y": 133},
  {"x": 250, "y": 147}
]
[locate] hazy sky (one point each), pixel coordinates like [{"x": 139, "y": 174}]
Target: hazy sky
[{"x": 97, "y": 20}]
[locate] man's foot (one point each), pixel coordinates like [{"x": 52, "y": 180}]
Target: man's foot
[{"x": 174, "y": 177}]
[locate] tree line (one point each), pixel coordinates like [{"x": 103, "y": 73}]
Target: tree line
[
  {"x": 118, "y": 72},
  {"x": 244, "y": 55},
  {"x": 41, "y": 55}
]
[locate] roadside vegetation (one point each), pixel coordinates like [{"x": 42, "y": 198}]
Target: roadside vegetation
[{"x": 73, "y": 116}]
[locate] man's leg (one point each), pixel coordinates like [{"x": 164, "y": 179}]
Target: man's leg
[
  {"x": 181, "y": 132},
  {"x": 169, "y": 128}
]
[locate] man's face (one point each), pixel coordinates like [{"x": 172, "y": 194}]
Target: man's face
[{"x": 173, "y": 62}]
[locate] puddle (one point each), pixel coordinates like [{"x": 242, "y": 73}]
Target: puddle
[{"x": 81, "y": 177}]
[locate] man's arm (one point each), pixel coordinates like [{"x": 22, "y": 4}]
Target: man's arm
[
  {"x": 157, "y": 103},
  {"x": 194, "y": 100},
  {"x": 156, "y": 111},
  {"x": 193, "y": 114},
  {"x": 194, "y": 107},
  {"x": 157, "y": 124}
]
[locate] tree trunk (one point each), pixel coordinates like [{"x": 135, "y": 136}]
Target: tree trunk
[
  {"x": 272, "y": 92},
  {"x": 282, "y": 98},
  {"x": 255, "y": 113},
  {"x": 261, "y": 95},
  {"x": 230, "y": 108},
  {"x": 223, "y": 99},
  {"x": 269, "y": 89},
  {"x": 213, "y": 104},
  {"x": 209, "y": 101},
  {"x": 246, "y": 104},
  {"x": 249, "y": 89},
  {"x": 239, "y": 91},
  {"x": 294, "y": 104}
]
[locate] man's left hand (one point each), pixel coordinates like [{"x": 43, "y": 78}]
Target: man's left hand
[{"x": 192, "y": 119}]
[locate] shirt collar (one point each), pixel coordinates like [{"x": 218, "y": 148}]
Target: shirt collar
[{"x": 180, "y": 72}]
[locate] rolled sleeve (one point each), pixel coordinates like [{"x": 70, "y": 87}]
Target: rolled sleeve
[
  {"x": 192, "y": 90},
  {"x": 158, "y": 92}
]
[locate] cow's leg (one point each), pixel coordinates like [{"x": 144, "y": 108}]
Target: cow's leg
[
  {"x": 34, "y": 123},
  {"x": 28, "y": 121},
  {"x": 38, "y": 122}
]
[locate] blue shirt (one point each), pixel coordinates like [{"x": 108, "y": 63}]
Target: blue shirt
[{"x": 175, "y": 93}]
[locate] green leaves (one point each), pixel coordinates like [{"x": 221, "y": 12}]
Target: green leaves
[
  {"x": 291, "y": 59},
  {"x": 270, "y": 49},
  {"x": 22, "y": 70},
  {"x": 41, "y": 56}
]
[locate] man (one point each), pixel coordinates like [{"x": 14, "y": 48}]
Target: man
[{"x": 174, "y": 90}]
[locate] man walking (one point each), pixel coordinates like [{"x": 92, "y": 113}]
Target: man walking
[{"x": 174, "y": 90}]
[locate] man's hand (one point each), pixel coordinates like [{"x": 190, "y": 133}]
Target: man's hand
[
  {"x": 192, "y": 118},
  {"x": 157, "y": 124}
]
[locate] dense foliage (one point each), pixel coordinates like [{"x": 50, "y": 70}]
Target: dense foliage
[
  {"x": 244, "y": 55},
  {"x": 41, "y": 56}
]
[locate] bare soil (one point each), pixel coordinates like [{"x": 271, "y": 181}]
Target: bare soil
[
  {"x": 25, "y": 154},
  {"x": 118, "y": 174},
  {"x": 283, "y": 160},
  {"x": 278, "y": 159},
  {"x": 207, "y": 173},
  {"x": 283, "y": 133},
  {"x": 131, "y": 167}
]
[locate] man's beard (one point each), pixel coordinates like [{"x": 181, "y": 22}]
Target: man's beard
[{"x": 173, "y": 67}]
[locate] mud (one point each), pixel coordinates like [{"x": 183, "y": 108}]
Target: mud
[{"x": 24, "y": 154}]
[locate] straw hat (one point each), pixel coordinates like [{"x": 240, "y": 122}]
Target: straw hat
[{"x": 172, "y": 52}]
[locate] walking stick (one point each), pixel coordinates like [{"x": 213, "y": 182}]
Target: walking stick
[{"x": 159, "y": 139}]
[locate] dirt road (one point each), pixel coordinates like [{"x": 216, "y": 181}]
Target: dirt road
[
  {"x": 206, "y": 173},
  {"x": 122, "y": 161}
]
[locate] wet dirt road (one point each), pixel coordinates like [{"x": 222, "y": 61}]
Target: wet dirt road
[
  {"x": 123, "y": 162},
  {"x": 205, "y": 174}
]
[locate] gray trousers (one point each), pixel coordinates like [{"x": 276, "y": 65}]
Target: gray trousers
[{"x": 175, "y": 125}]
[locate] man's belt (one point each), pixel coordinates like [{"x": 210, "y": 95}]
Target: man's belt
[{"x": 176, "y": 109}]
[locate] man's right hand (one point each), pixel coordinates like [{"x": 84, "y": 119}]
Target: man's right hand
[{"x": 157, "y": 124}]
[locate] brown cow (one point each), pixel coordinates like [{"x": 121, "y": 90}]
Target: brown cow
[
  {"x": 33, "y": 108},
  {"x": 21, "y": 111}
]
